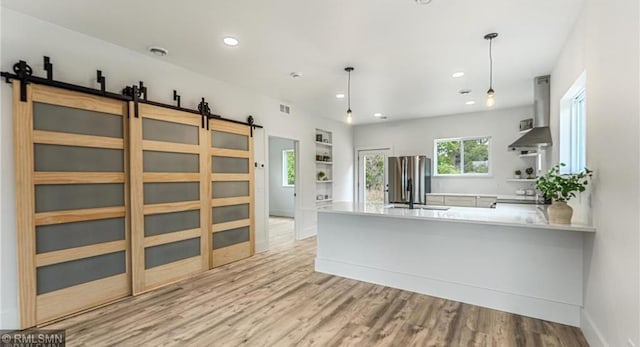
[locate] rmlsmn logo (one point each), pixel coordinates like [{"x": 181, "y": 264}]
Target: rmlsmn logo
[{"x": 32, "y": 338}]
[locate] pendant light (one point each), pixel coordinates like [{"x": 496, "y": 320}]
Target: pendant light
[
  {"x": 348, "y": 69},
  {"x": 491, "y": 100}
]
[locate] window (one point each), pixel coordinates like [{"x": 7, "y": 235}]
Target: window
[
  {"x": 462, "y": 156},
  {"x": 288, "y": 168},
  {"x": 572, "y": 128}
]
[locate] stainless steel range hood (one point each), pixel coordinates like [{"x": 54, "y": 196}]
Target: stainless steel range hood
[{"x": 540, "y": 135}]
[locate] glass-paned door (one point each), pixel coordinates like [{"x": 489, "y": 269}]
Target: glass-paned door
[{"x": 372, "y": 176}]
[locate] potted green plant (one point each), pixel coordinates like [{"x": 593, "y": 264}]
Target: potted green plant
[
  {"x": 529, "y": 172},
  {"x": 321, "y": 175},
  {"x": 517, "y": 174},
  {"x": 559, "y": 189}
]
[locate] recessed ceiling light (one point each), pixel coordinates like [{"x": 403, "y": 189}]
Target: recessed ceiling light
[
  {"x": 423, "y": 2},
  {"x": 470, "y": 102},
  {"x": 377, "y": 114},
  {"x": 159, "y": 51},
  {"x": 464, "y": 91},
  {"x": 457, "y": 74},
  {"x": 295, "y": 75},
  {"x": 383, "y": 118},
  {"x": 340, "y": 96},
  {"x": 230, "y": 41}
]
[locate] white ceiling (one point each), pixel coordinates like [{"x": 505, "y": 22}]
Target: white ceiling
[{"x": 403, "y": 53}]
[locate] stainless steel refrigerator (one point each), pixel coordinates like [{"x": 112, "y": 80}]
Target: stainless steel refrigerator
[{"x": 414, "y": 171}]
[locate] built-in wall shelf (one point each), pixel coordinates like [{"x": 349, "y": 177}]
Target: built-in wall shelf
[
  {"x": 324, "y": 165},
  {"x": 324, "y": 200},
  {"x": 529, "y": 155},
  {"x": 324, "y": 143}
]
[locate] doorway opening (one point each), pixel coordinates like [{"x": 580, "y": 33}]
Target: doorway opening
[
  {"x": 372, "y": 175},
  {"x": 283, "y": 168}
]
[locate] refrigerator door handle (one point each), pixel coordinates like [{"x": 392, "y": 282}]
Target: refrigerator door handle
[{"x": 403, "y": 182}]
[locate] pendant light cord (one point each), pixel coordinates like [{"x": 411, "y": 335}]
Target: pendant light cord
[
  {"x": 349, "y": 90},
  {"x": 348, "y": 69},
  {"x": 490, "y": 63}
]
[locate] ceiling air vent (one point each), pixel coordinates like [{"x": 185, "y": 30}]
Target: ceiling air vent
[{"x": 285, "y": 109}]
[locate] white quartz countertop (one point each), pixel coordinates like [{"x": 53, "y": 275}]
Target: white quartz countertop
[{"x": 514, "y": 215}]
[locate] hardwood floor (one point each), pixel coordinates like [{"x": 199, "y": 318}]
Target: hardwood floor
[
  {"x": 276, "y": 299},
  {"x": 281, "y": 230}
]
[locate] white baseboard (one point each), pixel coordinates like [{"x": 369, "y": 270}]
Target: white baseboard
[
  {"x": 281, "y": 213},
  {"x": 308, "y": 232},
  {"x": 524, "y": 305},
  {"x": 591, "y": 331},
  {"x": 262, "y": 246},
  {"x": 9, "y": 319}
]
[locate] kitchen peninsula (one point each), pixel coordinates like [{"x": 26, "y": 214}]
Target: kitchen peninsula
[{"x": 508, "y": 258}]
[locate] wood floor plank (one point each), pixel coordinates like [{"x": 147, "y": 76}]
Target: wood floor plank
[
  {"x": 281, "y": 231},
  {"x": 332, "y": 329},
  {"x": 317, "y": 314},
  {"x": 230, "y": 302},
  {"x": 276, "y": 298},
  {"x": 187, "y": 303},
  {"x": 414, "y": 322},
  {"x": 259, "y": 329},
  {"x": 123, "y": 315},
  {"x": 239, "y": 313}
]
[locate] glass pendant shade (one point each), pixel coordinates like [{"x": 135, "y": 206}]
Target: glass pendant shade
[{"x": 491, "y": 99}]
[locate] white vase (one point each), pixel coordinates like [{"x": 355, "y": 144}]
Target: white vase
[{"x": 559, "y": 213}]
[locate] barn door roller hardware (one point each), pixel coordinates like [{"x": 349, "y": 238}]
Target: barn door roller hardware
[
  {"x": 205, "y": 113},
  {"x": 250, "y": 121},
  {"x": 23, "y": 73},
  {"x": 135, "y": 92}
]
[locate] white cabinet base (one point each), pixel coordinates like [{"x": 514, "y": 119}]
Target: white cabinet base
[
  {"x": 485, "y": 297},
  {"x": 461, "y": 200},
  {"x": 527, "y": 271}
]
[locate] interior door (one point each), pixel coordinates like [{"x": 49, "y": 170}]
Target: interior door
[
  {"x": 372, "y": 176},
  {"x": 232, "y": 193},
  {"x": 169, "y": 196},
  {"x": 72, "y": 211}
]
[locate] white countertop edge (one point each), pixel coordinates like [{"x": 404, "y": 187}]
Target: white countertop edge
[{"x": 571, "y": 227}]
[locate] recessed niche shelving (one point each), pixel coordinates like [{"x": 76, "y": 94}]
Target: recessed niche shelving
[{"x": 324, "y": 167}]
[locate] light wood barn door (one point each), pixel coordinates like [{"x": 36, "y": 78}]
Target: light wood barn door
[
  {"x": 169, "y": 196},
  {"x": 72, "y": 206},
  {"x": 232, "y": 195}
]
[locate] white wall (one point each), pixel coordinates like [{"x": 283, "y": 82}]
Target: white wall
[
  {"x": 5, "y": 315},
  {"x": 569, "y": 66},
  {"x": 76, "y": 57},
  {"x": 416, "y": 137},
  {"x": 281, "y": 200},
  {"x": 605, "y": 43}
]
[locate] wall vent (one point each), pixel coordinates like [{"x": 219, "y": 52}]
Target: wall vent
[{"x": 285, "y": 109}]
